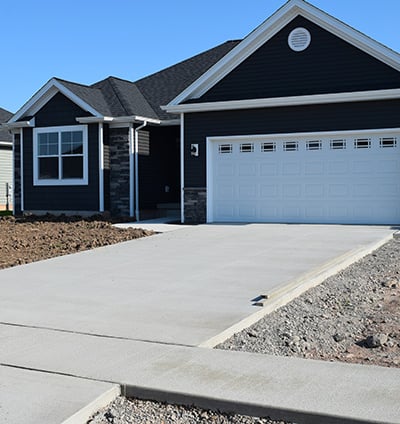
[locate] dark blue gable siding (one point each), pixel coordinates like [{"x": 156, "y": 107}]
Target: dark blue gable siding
[
  {"x": 313, "y": 118},
  {"x": 61, "y": 111},
  {"x": 328, "y": 65}
]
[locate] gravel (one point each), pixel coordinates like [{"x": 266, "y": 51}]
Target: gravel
[
  {"x": 126, "y": 411},
  {"x": 353, "y": 316}
]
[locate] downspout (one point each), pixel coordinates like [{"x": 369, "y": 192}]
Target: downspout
[
  {"x": 21, "y": 173},
  {"x": 131, "y": 173},
  {"x": 136, "y": 157},
  {"x": 101, "y": 168}
]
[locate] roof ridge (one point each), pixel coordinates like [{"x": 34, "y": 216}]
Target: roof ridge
[
  {"x": 73, "y": 82},
  {"x": 117, "y": 94},
  {"x": 186, "y": 60}
]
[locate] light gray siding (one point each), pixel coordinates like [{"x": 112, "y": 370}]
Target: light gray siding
[{"x": 6, "y": 173}]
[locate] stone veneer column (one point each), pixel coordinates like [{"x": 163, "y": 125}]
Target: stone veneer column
[
  {"x": 119, "y": 171},
  {"x": 17, "y": 176},
  {"x": 195, "y": 205}
]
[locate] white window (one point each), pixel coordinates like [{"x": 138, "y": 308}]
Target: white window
[
  {"x": 225, "y": 148},
  {"x": 387, "y": 142},
  {"x": 314, "y": 145},
  {"x": 362, "y": 143},
  {"x": 290, "y": 146},
  {"x": 339, "y": 144},
  {"x": 60, "y": 155},
  {"x": 247, "y": 148},
  {"x": 268, "y": 147}
]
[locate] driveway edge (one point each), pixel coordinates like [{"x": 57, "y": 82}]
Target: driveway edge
[{"x": 295, "y": 288}]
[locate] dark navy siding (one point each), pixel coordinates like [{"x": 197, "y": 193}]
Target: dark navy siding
[
  {"x": 59, "y": 110},
  {"x": 332, "y": 117},
  {"x": 62, "y": 198},
  {"x": 328, "y": 65},
  {"x": 158, "y": 166}
]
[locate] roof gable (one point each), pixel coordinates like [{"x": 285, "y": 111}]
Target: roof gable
[
  {"x": 267, "y": 30},
  {"x": 79, "y": 94},
  {"x": 328, "y": 65}
]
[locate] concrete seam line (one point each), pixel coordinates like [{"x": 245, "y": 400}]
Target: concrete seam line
[
  {"x": 238, "y": 407},
  {"x": 87, "y": 411},
  {"x": 64, "y": 374},
  {"x": 81, "y": 333},
  {"x": 295, "y": 288}
]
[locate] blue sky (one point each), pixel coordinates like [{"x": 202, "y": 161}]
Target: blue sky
[{"x": 87, "y": 40}]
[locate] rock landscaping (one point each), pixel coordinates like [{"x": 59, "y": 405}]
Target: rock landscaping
[
  {"x": 353, "y": 316},
  {"x": 127, "y": 411},
  {"x": 29, "y": 239}
]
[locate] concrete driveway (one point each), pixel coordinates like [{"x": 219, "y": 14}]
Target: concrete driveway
[{"x": 182, "y": 287}]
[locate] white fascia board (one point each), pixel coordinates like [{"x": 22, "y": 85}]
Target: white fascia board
[
  {"x": 170, "y": 122},
  {"x": 271, "y": 27},
  {"x": 116, "y": 120},
  {"x": 94, "y": 119},
  {"x": 19, "y": 124},
  {"x": 6, "y": 143},
  {"x": 49, "y": 90},
  {"x": 345, "y": 133},
  {"x": 356, "y": 96},
  {"x": 135, "y": 118}
]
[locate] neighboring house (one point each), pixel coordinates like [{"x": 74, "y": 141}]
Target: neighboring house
[
  {"x": 298, "y": 122},
  {"x": 6, "y": 162}
]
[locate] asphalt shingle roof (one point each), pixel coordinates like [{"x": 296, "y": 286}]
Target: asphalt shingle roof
[
  {"x": 117, "y": 97},
  {"x": 5, "y": 115}
]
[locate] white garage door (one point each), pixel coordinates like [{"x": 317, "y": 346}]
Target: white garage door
[{"x": 314, "y": 178}]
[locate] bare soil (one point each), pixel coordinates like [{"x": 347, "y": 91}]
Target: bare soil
[{"x": 30, "y": 239}]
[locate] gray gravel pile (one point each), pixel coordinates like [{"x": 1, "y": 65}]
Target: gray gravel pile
[
  {"x": 353, "y": 316},
  {"x": 124, "y": 411}
]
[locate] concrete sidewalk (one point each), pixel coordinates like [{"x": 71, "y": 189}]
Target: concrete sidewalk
[
  {"x": 303, "y": 391},
  {"x": 31, "y": 397}
]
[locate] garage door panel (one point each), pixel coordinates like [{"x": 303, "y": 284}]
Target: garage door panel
[
  {"x": 314, "y": 168},
  {"x": 267, "y": 169},
  {"x": 291, "y": 168},
  {"x": 247, "y": 169},
  {"x": 338, "y": 167},
  {"x": 328, "y": 180},
  {"x": 338, "y": 190},
  {"x": 314, "y": 190},
  {"x": 269, "y": 191}
]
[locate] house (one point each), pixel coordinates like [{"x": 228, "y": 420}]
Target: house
[
  {"x": 105, "y": 147},
  {"x": 297, "y": 122},
  {"x": 6, "y": 163}
]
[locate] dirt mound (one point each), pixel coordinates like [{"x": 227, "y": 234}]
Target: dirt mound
[{"x": 30, "y": 239}]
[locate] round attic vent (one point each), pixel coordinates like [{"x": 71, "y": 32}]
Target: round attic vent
[{"x": 299, "y": 39}]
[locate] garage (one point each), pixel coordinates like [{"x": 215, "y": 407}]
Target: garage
[{"x": 344, "y": 177}]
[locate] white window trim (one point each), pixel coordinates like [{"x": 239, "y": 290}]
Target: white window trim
[{"x": 60, "y": 181}]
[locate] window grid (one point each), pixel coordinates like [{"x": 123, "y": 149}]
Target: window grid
[
  {"x": 290, "y": 146},
  {"x": 338, "y": 144},
  {"x": 385, "y": 142},
  {"x": 314, "y": 145},
  {"x": 60, "y": 156},
  {"x": 268, "y": 147},
  {"x": 246, "y": 147},
  {"x": 225, "y": 148},
  {"x": 362, "y": 143}
]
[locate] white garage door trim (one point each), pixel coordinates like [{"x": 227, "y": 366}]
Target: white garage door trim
[{"x": 278, "y": 137}]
